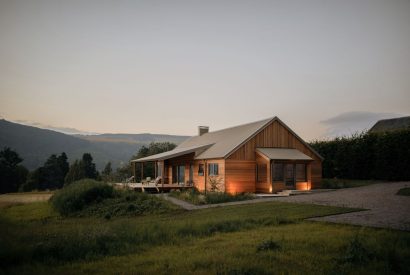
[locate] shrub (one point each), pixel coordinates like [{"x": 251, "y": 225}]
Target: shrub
[
  {"x": 196, "y": 197},
  {"x": 80, "y": 194},
  {"x": 268, "y": 245}
]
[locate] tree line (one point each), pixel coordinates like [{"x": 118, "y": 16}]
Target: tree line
[
  {"x": 380, "y": 156},
  {"x": 57, "y": 172}
]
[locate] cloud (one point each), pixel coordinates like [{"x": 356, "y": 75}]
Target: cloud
[
  {"x": 64, "y": 130},
  {"x": 348, "y": 123}
]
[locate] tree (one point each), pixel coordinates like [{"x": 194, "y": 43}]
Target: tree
[
  {"x": 12, "y": 174},
  {"x": 89, "y": 167},
  {"x": 81, "y": 169},
  {"x": 107, "y": 173},
  {"x": 49, "y": 176},
  {"x": 75, "y": 172}
]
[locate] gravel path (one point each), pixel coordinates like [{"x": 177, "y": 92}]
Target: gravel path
[{"x": 383, "y": 208}]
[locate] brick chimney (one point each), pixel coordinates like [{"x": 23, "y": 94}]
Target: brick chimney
[{"x": 202, "y": 130}]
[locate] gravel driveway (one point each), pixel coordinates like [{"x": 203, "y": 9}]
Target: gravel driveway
[{"x": 385, "y": 208}]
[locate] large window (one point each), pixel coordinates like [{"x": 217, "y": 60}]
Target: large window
[
  {"x": 201, "y": 170},
  {"x": 213, "y": 169},
  {"x": 178, "y": 174},
  {"x": 277, "y": 172},
  {"x": 300, "y": 172}
]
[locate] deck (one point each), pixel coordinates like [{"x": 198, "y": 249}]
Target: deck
[{"x": 152, "y": 187}]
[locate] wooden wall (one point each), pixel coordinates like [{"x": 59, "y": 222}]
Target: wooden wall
[
  {"x": 276, "y": 135},
  {"x": 239, "y": 176},
  {"x": 263, "y": 184},
  {"x": 199, "y": 181}
]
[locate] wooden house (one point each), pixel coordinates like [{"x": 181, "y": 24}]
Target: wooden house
[{"x": 263, "y": 157}]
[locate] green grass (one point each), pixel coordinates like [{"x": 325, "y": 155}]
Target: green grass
[
  {"x": 404, "y": 192},
  {"x": 200, "y": 198},
  {"x": 34, "y": 239},
  {"x": 345, "y": 183}
]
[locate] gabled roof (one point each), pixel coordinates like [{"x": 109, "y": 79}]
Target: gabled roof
[
  {"x": 225, "y": 140},
  {"x": 283, "y": 154},
  {"x": 222, "y": 143},
  {"x": 393, "y": 124}
]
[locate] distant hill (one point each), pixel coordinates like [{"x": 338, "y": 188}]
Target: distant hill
[
  {"x": 393, "y": 124},
  {"x": 35, "y": 145}
]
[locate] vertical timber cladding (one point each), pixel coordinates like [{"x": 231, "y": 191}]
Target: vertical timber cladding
[
  {"x": 278, "y": 136},
  {"x": 199, "y": 181},
  {"x": 262, "y": 166}
]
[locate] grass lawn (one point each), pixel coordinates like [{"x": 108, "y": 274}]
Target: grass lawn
[
  {"x": 345, "y": 183},
  {"x": 227, "y": 240},
  {"x": 404, "y": 192}
]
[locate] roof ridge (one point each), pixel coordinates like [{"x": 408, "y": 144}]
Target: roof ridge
[{"x": 240, "y": 125}]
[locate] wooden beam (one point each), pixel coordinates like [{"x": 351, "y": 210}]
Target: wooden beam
[{"x": 142, "y": 171}]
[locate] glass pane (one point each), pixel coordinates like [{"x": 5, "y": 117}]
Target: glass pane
[{"x": 278, "y": 172}]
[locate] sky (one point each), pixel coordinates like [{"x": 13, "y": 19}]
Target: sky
[{"x": 325, "y": 68}]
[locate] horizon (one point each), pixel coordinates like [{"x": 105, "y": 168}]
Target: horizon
[{"x": 166, "y": 68}]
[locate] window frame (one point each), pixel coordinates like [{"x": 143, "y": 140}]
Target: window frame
[
  {"x": 213, "y": 169},
  {"x": 201, "y": 172}
]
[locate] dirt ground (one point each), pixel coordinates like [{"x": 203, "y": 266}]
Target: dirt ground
[{"x": 18, "y": 198}]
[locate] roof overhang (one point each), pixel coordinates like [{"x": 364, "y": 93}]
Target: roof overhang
[
  {"x": 283, "y": 154},
  {"x": 174, "y": 153}
]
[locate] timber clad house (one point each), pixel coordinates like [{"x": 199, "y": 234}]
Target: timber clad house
[{"x": 260, "y": 157}]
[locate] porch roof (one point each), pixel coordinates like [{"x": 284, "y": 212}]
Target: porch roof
[
  {"x": 175, "y": 153},
  {"x": 283, "y": 154}
]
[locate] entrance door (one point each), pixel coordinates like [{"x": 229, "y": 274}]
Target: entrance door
[{"x": 290, "y": 175}]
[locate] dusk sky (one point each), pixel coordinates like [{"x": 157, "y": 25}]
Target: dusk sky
[{"x": 323, "y": 67}]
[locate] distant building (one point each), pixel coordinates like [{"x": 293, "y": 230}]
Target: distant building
[{"x": 393, "y": 124}]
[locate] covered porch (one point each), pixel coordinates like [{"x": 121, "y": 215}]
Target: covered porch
[
  {"x": 166, "y": 171},
  {"x": 279, "y": 169}
]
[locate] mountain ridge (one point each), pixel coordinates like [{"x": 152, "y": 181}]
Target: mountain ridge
[{"x": 35, "y": 144}]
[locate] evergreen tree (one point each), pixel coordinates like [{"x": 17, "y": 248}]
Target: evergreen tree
[
  {"x": 89, "y": 167},
  {"x": 80, "y": 169},
  {"x": 12, "y": 174},
  {"x": 76, "y": 172},
  {"x": 107, "y": 173}
]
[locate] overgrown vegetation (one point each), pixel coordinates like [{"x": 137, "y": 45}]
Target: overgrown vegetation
[
  {"x": 382, "y": 156},
  {"x": 198, "y": 198},
  {"x": 92, "y": 198},
  {"x": 404, "y": 192},
  {"x": 345, "y": 183},
  {"x": 210, "y": 241}
]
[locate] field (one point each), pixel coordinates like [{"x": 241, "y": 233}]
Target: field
[{"x": 261, "y": 238}]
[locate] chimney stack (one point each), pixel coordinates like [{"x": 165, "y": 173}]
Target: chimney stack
[{"x": 202, "y": 130}]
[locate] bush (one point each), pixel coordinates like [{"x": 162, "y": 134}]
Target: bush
[
  {"x": 268, "y": 245},
  {"x": 382, "y": 156},
  {"x": 196, "y": 197},
  {"x": 80, "y": 194}
]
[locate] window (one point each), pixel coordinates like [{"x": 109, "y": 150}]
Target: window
[
  {"x": 213, "y": 169},
  {"x": 201, "y": 170},
  {"x": 277, "y": 172},
  {"x": 300, "y": 172}
]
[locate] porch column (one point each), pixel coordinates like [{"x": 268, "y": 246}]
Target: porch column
[
  {"x": 269, "y": 175},
  {"x": 142, "y": 171},
  {"x": 155, "y": 169},
  {"x": 134, "y": 171}
]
